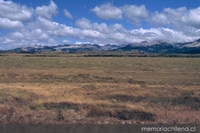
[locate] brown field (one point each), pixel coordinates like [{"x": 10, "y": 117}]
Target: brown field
[{"x": 99, "y": 90}]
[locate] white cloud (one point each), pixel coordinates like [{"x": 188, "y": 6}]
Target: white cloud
[
  {"x": 175, "y": 14},
  {"x": 92, "y": 34},
  {"x": 84, "y": 23},
  {"x": 8, "y": 24},
  {"x": 47, "y": 11},
  {"x": 134, "y": 13},
  {"x": 25, "y": 30},
  {"x": 192, "y": 18},
  {"x": 102, "y": 33},
  {"x": 82, "y": 42},
  {"x": 107, "y": 11},
  {"x": 162, "y": 34},
  {"x": 17, "y": 35},
  {"x": 66, "y": 41},
  {"x": 179, "y": 18},
  {"x": 45, "y": 24},
  {"x": 175, "y": 36},
  {"x": 15, "y": 12},
  {"x": 8, "y": 41},
  {"x": 170, "y": 17},
  {"x": 67, "y": 14},
  {"x": 159, "y": 19},
  {"x": 65, "y": 31}
]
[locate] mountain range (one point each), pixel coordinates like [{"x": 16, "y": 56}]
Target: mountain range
[{"x": 142, "y": 47}]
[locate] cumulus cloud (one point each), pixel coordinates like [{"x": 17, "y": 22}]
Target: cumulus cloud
[
  {"x": 67, "y": 14},
  {"x": 192, "y": 18},
  {"x": 45, "y": 24},
  {"x": 180, "y": 18},
  {"x": 175, "y": 14},
  {"x": 15, "y": 12},
  {"x": 47, "y": 11},
  {"x": 134, "y": 13},
  {"x": 66, "y": 41},
  {"x": 17, "y": 35},
  {"x": 159, "y": 19},
  {"x": 79, "y": 42},
  {"x": 103, "y": 33},
  {"x": 24, "y": 29},
  {"x": 107, "y": 11},
  {"x": 8, "y": 24},
  {"x": 84, "y": 23}
]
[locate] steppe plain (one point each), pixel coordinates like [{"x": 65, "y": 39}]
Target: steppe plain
[{"x": 99, "y": 90}]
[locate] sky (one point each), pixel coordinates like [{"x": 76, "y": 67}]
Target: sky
[{"x": 53, "y": 22}]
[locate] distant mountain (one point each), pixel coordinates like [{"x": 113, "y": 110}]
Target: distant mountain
[
  {"x": 143, "y": 47},
  {"x": 157, "y": 47},
  {"x": 60, "y": 48},
  {"x": 164, "y": 47}
]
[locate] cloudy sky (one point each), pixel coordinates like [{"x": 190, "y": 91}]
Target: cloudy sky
[{"x": 53, "y": 22}]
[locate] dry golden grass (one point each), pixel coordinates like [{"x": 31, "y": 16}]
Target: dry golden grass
[{"x": 99, "y": 90}]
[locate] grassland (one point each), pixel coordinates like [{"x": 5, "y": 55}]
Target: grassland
[{"x": 101, "y": 90}]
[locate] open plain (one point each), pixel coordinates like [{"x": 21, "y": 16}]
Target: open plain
[{"x": 99, "y": 90}]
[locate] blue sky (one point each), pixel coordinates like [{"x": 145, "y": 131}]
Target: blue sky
[{"x": 52, "y": 22}]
